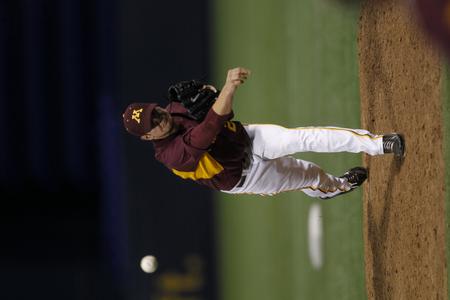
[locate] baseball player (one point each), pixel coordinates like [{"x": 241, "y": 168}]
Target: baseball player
[{"x": 235, "y": 158}]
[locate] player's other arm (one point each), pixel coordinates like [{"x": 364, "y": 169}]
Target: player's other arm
[
  {"x": 204, "y": 134},
  {"x": 224, "y": 103}
]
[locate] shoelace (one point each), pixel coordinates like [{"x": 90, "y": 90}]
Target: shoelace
[
  {"x": 389, "y": 144},
  {"x": 351, "y": 178}
]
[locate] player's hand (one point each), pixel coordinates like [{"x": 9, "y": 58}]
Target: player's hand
[{"x": 237, "y": 76}]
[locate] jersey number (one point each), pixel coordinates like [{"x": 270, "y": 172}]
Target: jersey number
[{"x": 230, "y": 125}]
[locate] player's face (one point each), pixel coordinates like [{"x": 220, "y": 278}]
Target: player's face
[{"x": 162, "y": 127}]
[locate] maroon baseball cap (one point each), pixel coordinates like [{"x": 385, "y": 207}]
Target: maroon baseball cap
[{"x": 137, "y": 118}]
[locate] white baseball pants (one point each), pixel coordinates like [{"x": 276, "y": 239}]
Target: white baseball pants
[{"x": 273, "y": 170}]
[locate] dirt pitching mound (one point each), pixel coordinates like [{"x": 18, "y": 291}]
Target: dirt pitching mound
[{"x": 404, "y": 203}]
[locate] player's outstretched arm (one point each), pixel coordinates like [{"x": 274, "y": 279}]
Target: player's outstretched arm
[{"x": 224, "y": 103}]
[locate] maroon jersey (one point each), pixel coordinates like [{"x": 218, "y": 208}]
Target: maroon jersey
[{"x": 211, "y": 152}]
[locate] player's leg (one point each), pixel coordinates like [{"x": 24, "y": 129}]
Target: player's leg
[
  {"x": 272, "y": 141},
  {"x": 269, "y": 177}
]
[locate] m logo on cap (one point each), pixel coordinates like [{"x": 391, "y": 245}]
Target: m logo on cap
[
  {"x": 137, "y": 115},
  {"x": 137, "y": 118}
]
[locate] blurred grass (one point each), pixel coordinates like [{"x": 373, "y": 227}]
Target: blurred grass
[{"x": 304, "y": 72}]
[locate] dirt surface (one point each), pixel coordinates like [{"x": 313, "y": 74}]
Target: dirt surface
[{"x": 404, "y": 202}]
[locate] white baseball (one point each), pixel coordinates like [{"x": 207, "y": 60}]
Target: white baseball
[{"x": 149, "y": 264}]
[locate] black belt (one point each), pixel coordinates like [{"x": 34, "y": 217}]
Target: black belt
[
  {"x": 241, "y": 181},
  {"x": 245, "y": 165}
]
